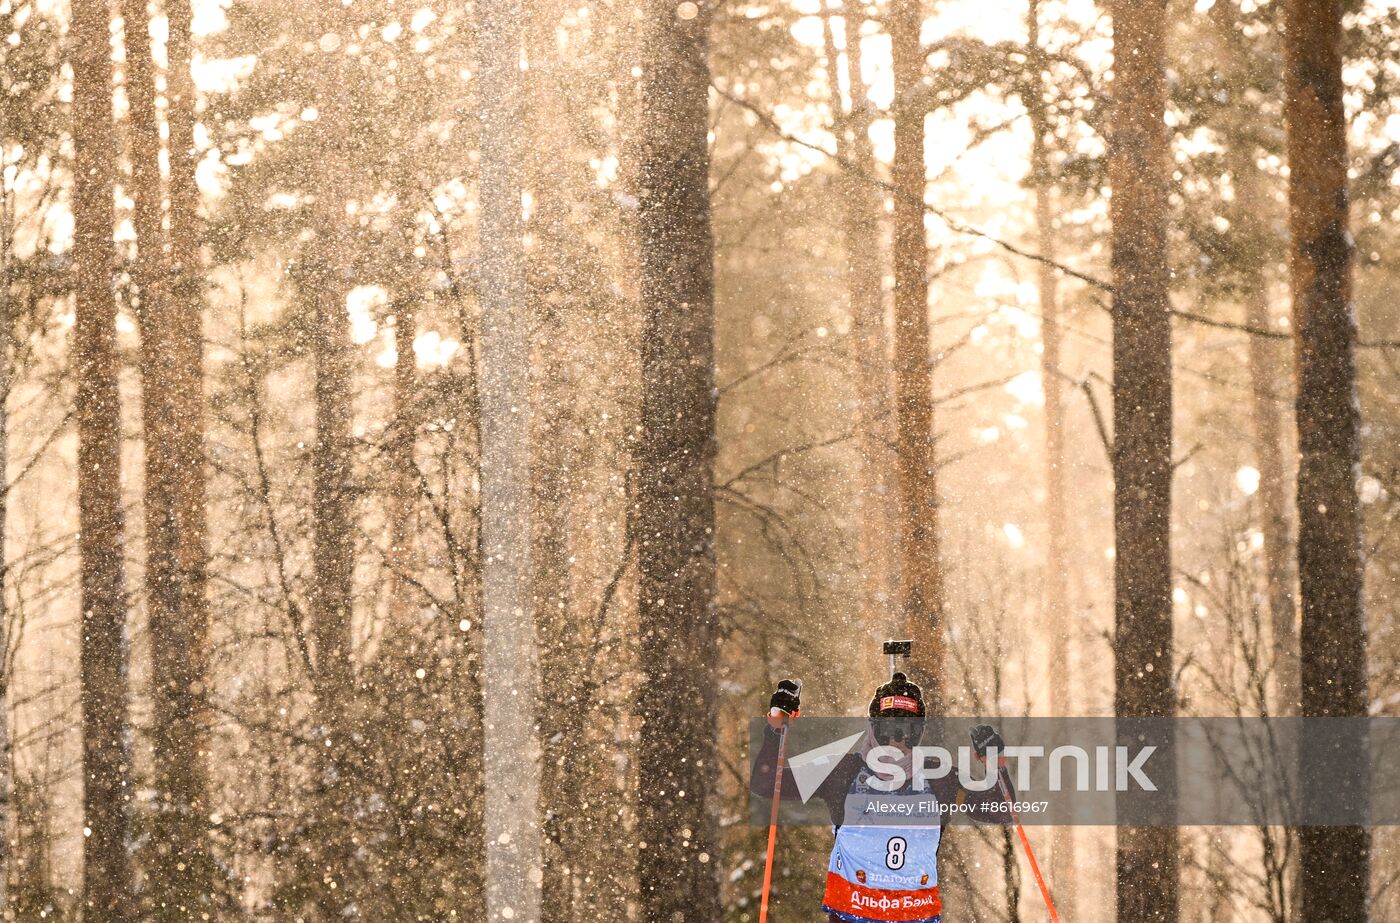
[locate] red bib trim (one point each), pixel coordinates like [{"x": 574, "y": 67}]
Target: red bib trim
[{"x": 878, "y": 904}]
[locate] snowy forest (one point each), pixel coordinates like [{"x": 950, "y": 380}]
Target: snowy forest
[{"x": 429, "y": 431}]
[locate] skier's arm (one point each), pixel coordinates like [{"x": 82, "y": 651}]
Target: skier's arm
[
  {"x": 783, "y": 707},
  {"x": 833, "y": 787}
]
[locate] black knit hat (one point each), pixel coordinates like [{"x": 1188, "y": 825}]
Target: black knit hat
[{"x": 899, "y": 698}]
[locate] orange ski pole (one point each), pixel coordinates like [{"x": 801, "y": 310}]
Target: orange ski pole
[
  {"x": 773, "y": 823},
  {"x": 1030, "y": 855}
]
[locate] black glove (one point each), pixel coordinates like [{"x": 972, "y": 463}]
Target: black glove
[
  {"x": 984, "y": 736},
  {"x": 786, "y": 698}
]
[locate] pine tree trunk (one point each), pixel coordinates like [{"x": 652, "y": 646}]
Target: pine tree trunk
[
  {"x": 921, "y": 570},
  {"x": 403, "y": 435},
  {"x": 332, "y": 553},
  {"x": 556, "y": 293},
  {"x": 1268, "y": 377},
  {"x": 509, "y": 667},
  {"x": 404, "y": 487},
  {"x": 172, "y": 419},
  {"x": 1267, "y": 369},
  {"x": 143, "y": 140},
  {"x": 561, "y": 646},
  {"x": 1010, "y": 876},
  {"x": 861, "y": 207},
  {"x": 1057, "y": 559},
  {"x": 325, "y": 280},
  {"x": 108, "y": 892},
  {"x": 1148, "y": 860},
  {"x": 1335, "y": 861},
  {"x": 326, "y": 283},
  {"x": 561, "y": 730},
  {"x": 187, "y": 324},
  {"x": 332, "y": 550},
  {"x": 674, "y": 517},
  {"x": 8, "y": 804}
]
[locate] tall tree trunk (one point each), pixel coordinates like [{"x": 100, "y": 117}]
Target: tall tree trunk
[
  {"x": 404, "y": 489},
  {"x": 1335, "y": 861},
  {"x": 674, "y": 461},
  {"x": 143, "y": 149},
  {"x": 331, "y": 608},
  {"x": 1011, "y": 876},
  {"x": 325, "y": 279},
  {"x": 509, "y": 666},
  {"x": 862, "y": 204},
  {"x": 8, "y": 804},
  {"x": 555, "y": 291},
  {"x": 1057, "y": 559},
  {"x": 332, "y": 547},
  {"x": 921, "y": 570},
  {"x": 187, "y": 323},
  {"x": 172, "y": 420},
  {"x": 1268, "y": 377},
  {"x": 562, "y": 649},
  {"x": 108, "y": 892},
  {"x": 403, "y": 435},
  {"x": 1148, "y": 860}
]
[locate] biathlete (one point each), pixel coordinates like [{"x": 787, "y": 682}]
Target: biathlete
[{"x": 884, "y": 870}]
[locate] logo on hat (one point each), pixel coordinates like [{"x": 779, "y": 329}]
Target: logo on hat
[{"x": 899, "y": 703}]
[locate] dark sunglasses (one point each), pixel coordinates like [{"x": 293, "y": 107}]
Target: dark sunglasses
[{"x": 888, "y": 730}]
